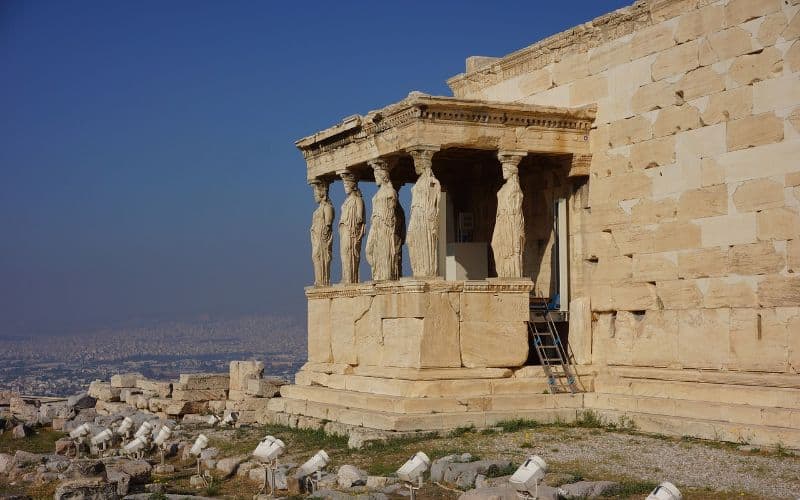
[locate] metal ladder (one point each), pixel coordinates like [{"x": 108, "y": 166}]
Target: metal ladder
[{"x": 557, "y": 359}]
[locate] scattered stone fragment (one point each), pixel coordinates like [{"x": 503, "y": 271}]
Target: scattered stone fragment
[
  {"x": 24, "y": 410},
  {"x": 506, "y": 493},
  {"x": 149, "y": 496},
  {"x": 228, "y": 466},
  {"x": 103, "y": 391},
  {"x": 197, "y": 482},
  {"x": 6, "y": 463},
  {"x": 85, "y": 467},
  {"x": 262, "y": 388},
  {"x": 378, "y": 482},
  {"x": 138, "y": 470},
  {"x": 50, "y": 411},
  {"x": 80, "y": 401},
  {"x": 21, "y": 431},
  {"x": 203, "y": 381},
  {"x": 209, "y": 453},
  {"x": 349, "y": 476},
  {"x": 56, "y": 463},
  {"x": 125, "y": 379},
  {"x": 121, "y": 479},
  {"x": 338, "y": 495},
  {"x": 63, "y": 446},
  {"x": 94, "y": 488},
  {"x": 589, "y": 489},
  {"x": 157, "y": 388},
  {"x": 157, "y": 488},
  {"x": 163, "y": 469},
  {"x": 25, "y": 458}
]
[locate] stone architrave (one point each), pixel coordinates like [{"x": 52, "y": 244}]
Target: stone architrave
[
  {"x": 351, "y": 228},
  {"x": 382, "y": 238},
  {"x": 322, "y": 233},
  {"x": 423, "y": 229},
  {"x": 508, "y": 237},
  {"x": 400, "y": 232}
]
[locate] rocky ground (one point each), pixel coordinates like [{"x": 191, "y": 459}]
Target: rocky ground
[{"x": 585, "y": 459}]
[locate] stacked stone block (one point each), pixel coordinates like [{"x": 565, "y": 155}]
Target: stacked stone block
[
  {"x": 687, "y": 235},
  {"x": 683, "y": 241}
]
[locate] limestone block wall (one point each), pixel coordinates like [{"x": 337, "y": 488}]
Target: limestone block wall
[
  {"x": 686, "y": 237},
  {"x": 420, "y": 324}
]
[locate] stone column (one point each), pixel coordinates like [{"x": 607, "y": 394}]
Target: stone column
[
  {"x": 322, "y": 233},
  {"x": 508, "y": 238},
  {"x": 423, "y": 229},
  {"x": 382, "y": 238},
  {"x": 351, "y": 228}
]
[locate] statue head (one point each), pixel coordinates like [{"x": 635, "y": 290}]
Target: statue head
[
  {"x": 381, "y": 169},
  {"x": 320, "y": 190},
  {"x": 509, "y": 161},
  {"x": 350, "y": 182},
  {"x": 509, "y": 170}
]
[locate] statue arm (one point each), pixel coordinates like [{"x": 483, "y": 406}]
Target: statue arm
[{"x": 328, "y": 216}]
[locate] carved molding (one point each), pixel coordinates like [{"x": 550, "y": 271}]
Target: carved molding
[
  {"x": 579, "y": 167},
  {"x": 419, "y": 108},
  {"x": 423, "y": 157},
  {"x": 493, "y": 285}
]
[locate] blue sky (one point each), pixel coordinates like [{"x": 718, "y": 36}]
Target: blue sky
[{"x": 147, "y": 164}]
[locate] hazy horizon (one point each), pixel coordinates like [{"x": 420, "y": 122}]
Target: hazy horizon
[{"x": 147, "y": 149}]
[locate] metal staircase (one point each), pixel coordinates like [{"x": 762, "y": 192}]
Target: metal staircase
[{"x": 556, "y": 358}]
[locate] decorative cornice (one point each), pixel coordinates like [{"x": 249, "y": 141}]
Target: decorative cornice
[
  {"x": 419, "y": 107},
  {"x": 404, "y": 285},
  {"x": 579, "y": 167}
]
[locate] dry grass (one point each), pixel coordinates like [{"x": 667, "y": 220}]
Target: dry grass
[{"x": 588, "y": 450}]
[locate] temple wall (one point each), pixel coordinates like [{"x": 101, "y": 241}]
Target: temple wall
[
  {"x": 419, "y": 324},
  {"x": 686, "y": 237}
]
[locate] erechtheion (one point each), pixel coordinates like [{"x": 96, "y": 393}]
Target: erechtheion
[{"x": 639, "y": 174}]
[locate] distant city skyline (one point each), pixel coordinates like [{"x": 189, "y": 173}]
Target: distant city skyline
[{"x": 147, "y": 164}]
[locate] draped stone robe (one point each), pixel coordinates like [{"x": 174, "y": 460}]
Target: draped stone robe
[
  {"x": 322, "y": 242},
  {"x": 423, "y": 229},
  {"x": 351, "y": 231},
  {"x": 382, "y": 239},
  {"x": 508, "y": 237}
]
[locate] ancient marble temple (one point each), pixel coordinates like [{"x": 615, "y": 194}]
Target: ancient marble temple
[{"x": 639, "y": 173}]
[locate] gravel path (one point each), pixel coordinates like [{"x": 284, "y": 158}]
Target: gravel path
[{"x": 686, "y": 463}]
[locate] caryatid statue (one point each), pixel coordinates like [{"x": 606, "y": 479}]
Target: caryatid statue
[
  {"x": 382, "y": 238},
  {"x": 508, "y": 238},
  {"x": 322, "y": 233},
  {"x": 351, "y": 228},
  {"x": 423, "y": 228}
]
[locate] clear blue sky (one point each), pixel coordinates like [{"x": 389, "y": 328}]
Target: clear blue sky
[{"x": 147, "y": 164}]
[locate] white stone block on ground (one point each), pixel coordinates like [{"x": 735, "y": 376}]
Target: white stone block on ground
[
  {"x": 160, "y": 388},
  {"x": 204, "y": 381},
  {"x": 125, "y": 379},
  {"x": 242, "y": 371},
  {"x": 103, "y": 391}
]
